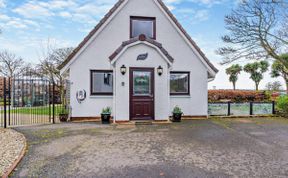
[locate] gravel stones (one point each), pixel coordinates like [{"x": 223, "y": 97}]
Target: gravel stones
[{"x": 12, "y": 143}]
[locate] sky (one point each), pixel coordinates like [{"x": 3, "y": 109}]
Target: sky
[{"x": 27, "y": 25}]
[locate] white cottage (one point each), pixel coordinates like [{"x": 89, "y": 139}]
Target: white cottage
[{"x": 140, "y": 62}]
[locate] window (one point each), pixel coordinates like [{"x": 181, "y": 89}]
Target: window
[
  {"x": 143, "y": 25},
  {"x": 101, "y": 82},
  {"x": 141, "y": 83},
  {"x": 179, "y": 83}
]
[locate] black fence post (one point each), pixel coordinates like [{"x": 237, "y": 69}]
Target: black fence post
[
  {"x": 229, "y": 108},
  {"x": 53, "y": 103},
  {"x": 9, "y": 101},
  {"x": 49, "y": 100},
  {"x": 273, "y": 107},
  {"x": 5, "y": 111},
  {"x": 251, "y": 108}
]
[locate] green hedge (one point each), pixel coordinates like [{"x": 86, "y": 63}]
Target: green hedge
[{"x": 282, "y": 106}]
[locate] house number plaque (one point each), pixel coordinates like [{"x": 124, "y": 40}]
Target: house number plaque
[{"x": 142, "y": 57}]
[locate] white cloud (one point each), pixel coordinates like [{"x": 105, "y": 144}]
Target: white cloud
[
  {"x": 60, "y": 4},
  {"x": 87, "y": 12},
  {"x": 208, "y": 3},
  {"x": 65, "y": 14},
  {"x": 2, "y": 4},
  {"x": 17, "y": 23},
  {"x": 29, "y": 46},
  {"x": 201, "y": 15},
  {"x": 192, "y": 16},
  {"x": 33, "y": 10},
  {"x": 4, "y": 17}
]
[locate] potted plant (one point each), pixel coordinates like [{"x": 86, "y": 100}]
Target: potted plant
[
  {"x": 63, "y": 115},
  {"x": 106, "y": 115},
  {"x": 177, "y": 114}
]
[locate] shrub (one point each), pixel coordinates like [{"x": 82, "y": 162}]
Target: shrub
[
  {"x": 177, "y": 110},
  {"x": 106, "y": 110},
  {"x": 282, "y": 105},
  {"x": 239, "y": 96}
]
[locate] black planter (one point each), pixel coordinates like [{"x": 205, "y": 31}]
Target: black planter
[
  {"x": 176, "y": 117},
  {"x": 63, "y": 117},
  {"x": 105, "y": 118}
]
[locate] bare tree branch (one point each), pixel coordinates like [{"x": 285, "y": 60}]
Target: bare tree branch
[
  {"x": 11, "y": 65},
  {"x": 257, "y": 29}
]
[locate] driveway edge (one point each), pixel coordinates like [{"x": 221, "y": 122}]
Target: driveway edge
[{"x": 17, "y": 161}]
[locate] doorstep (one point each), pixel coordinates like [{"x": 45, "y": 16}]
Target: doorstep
[{"x": 144, "y": 122}]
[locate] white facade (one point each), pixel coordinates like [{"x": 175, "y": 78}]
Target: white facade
[{"x": 94, "y": 55}]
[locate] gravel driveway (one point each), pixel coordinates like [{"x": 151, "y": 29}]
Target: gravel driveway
[
  {"x": 12, "y": 145},
  {"x": 198, "y": 148}
]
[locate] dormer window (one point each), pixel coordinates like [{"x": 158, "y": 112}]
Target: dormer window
[{"x": 143, "y": 25}]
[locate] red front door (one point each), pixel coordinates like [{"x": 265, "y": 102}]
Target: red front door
[{"x": 141, "y": 93}]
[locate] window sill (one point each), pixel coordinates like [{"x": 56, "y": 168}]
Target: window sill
[
  {"x": 100, "y": 96},
  {"x": 180, "y": 96}
]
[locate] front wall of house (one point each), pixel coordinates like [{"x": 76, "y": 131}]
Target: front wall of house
[
  {"x": 95, "y": 56},
  {"x": 161, "y": 92}
]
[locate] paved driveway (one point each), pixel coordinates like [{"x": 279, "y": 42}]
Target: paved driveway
[{"x": 198, "y": 148}]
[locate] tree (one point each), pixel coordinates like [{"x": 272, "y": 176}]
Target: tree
[
  {"x": 233, "y": 73},
  {"x": 11, "y": 65},
  {"x": 279, "y": 70},
  {"x": 257, "y": 29},
  {"x": 256, "y": 71},
  {"x": 274, "y": 86},
  {"x": 48, "y": 65}
]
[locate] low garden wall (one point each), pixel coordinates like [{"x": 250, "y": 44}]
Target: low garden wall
[{"x": 246, "y": 102}]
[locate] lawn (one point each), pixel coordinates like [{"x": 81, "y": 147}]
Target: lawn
[{"x": 40, "y": 110}]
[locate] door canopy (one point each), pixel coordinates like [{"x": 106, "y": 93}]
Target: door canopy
[{"x": 142, "y": 39}]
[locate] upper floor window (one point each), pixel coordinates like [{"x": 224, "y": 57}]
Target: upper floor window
[{"x": 143, "y": 25}]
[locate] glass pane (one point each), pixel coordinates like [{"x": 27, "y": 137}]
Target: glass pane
[
  {"x": 240, "y": 109},
  {"x": 262, "y": 108},
  {"x": 141, "y": 83},
  {"x": 102, "y": 82},
  {"x": 215, "y": 109},
  {"x": 142, "y": 27},
  {"x": 179, "y": 83}
]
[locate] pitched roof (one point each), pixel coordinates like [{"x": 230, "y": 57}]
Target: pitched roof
[
  {"x": 114, "y": 8},
  {"x": 96, "y": 28},
  {"x": 141, "y": 38}
]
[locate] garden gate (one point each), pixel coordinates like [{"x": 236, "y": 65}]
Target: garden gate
[{"x": 29, "y": 101}]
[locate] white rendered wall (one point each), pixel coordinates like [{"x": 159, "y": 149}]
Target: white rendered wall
[{"x": 96, "y": 56}]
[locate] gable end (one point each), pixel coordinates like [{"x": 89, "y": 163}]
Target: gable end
[{"x": 109, "y": 14}]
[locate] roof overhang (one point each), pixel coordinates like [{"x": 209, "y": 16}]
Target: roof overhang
[{"x": 141, "y": 40}]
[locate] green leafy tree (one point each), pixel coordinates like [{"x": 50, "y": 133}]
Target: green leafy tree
[
  {"x": 280, "y": 70},
  {"x": 233, "y": 73},
  {"x": 256, "y": 71}
]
